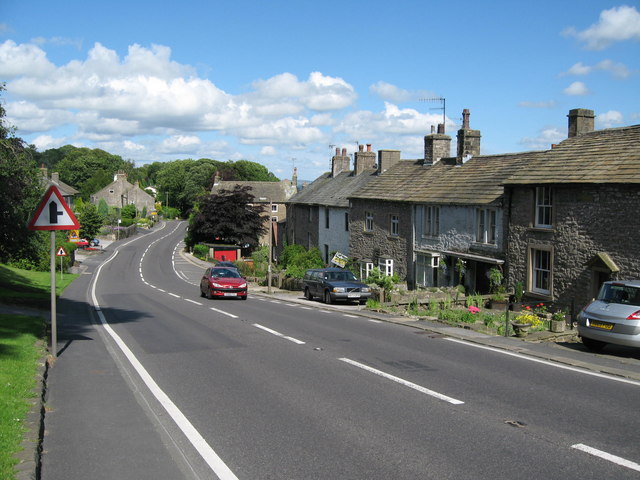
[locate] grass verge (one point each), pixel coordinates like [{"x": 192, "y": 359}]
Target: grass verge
[
  {"x": 19, "y": 356},
  {"x": 30, "y": 288}
]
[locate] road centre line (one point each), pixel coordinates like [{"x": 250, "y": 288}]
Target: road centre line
[
  {"x": 173, "y": 295},
  {"x": 623, "y": 462},
  {"x": 545, "y": 362},
  {"x": 350, "y": 316},
  {"x": 223, "y": 312},
  {"x": 402, "y": 382},
  {"x": 278, "y": 334},
  {"x": 192, "y": 301},
  {"x": 195, "y": 438}
]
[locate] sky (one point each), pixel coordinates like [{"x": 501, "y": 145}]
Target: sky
[{"x": 283, "y": 83}]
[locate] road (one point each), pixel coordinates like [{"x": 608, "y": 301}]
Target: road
[{"x": 270, "y": 389}]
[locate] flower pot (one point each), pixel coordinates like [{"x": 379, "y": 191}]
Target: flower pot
[
  {"x": 557, "y": 326},
  {"x": 521, "y": 329}
]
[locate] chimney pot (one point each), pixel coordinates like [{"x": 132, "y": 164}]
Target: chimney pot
[
  {"x": 337, "y": 151},
  {"x": 368, "y": 147},
  {"x": 441, "y": 128},
  {"x": 361, "y": 148},
  {"x": 344, "y": 152}
]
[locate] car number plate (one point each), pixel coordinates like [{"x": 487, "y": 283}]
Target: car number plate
[
  {"x": 602, "y": 325},
  {"x": 230, "y": 294},
  {"x": 353, "y": 295}
]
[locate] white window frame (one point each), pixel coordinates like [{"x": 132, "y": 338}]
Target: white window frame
[
  {"x": 386, "y": 266},
  {"x": 540, "y": 270},
  {"x": 368, "y": 221},
  {"x": 274, "y": 208},
  {"x": 543, "y": 207},
  {"x": 394, "y": 227},
  {"x": 486, "y": 229}
]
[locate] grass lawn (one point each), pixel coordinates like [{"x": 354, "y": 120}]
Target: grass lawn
[
  {"x": 20, "y": 354},
  {"x": 30, "y": 288}
]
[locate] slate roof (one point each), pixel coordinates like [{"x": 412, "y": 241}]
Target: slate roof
[
  {"x": 602, "y": 156},
  {"x": 477, "y": 182},
  {"x": 276, "y": 192},
  {"x": 333, "y": 191}
]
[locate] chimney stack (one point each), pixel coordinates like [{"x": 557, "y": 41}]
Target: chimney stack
[
  {"x": 468, "y": 140},
  {"x": 581, "y": 121},
  {"x": 386, "y": 159},
  {"x": 339, "y": 163},
  {"x": 364, "y": 160},
  {"x": 436, "y": 146}
]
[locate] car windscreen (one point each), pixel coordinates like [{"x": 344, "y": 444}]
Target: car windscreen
[
  {"x": 619, "y": 293},
  {"x": 340, "y": 277},
  {"x": 224, "y": 273}
]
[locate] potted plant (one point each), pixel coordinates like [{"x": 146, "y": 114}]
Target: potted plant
[
  {"x": 518, "y": 293},
  {"x": 498, "y": 297},
  {"x": 523, "y": 322},
  {"x": 558, "y": 321}
]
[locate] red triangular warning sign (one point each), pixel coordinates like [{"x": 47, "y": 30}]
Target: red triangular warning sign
[
  {"x": 53, "y": 213},
  {"x": 61, "y": 252}
]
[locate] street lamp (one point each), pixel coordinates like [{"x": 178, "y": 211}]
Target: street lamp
[{"x": 270, "y": 235}]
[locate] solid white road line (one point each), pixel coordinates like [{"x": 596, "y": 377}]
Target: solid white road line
[
  {"x": 224, "y": 313},
  {"x": 607, "y": 456},
  {"x": 278, "y": 334},
  {"x": 545, "y": 362},
  {"x": 199, "y": 443},
  {"x": 402, "y": 382}
]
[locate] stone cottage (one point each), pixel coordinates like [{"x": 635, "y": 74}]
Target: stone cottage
[
  {"x": 319, "y": 213},
  {"x": 574, "y": 214},
  {"x": 120, "y": 193}
]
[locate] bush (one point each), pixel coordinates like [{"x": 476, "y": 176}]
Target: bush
[
  {"x": 201, "y": 251},
  {"x": 299, "y": 260}
]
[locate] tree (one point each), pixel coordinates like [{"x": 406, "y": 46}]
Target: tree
[
  {"x": 90, "y": 221},
  {"x": 251, "y": 171},
  {"x": 227, "y": 217},
  {"x": 103, "y": 209},
  {"x": 20, "y": 193},
  {"x": 129, "y": 211}
]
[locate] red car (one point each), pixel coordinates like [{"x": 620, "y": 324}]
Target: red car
[
  {"x": 223, "y": 282},
  {"x": 82, "y": 243}
]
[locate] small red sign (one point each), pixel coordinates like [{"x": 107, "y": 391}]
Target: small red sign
[{"x": 61, "y": 252}]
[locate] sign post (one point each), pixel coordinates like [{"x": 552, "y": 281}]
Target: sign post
[
  {"x": 61, "y": 253},
  {"x": 53, "y": 214}
]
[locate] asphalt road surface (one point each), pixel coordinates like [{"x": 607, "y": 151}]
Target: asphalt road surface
[{"x": 178, "y": 386}]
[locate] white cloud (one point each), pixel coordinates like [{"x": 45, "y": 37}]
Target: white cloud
[
  {"x": 576, "y": 89},
  {"x": 394, "y": 94},
  {"x": 268, "y": 150},
  {"x": 25, "y": 59},
  {"x": 618, "y": 70},
  {"x": 545, "y": 138},
  {"x": 180, "y": 144},
  {"x": 45, "y": 142},
  {"x": 132, "y": 146},
  {"x": 609, "y": 119},
  {"x": 615, "y": 25}
]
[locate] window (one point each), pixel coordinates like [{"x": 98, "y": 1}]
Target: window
[
  {"x": 386, "y": 266},
  {"x": 110, "y": 190},
  {"x": 274, "y": 207},
  {"x": 274, "y": 219},
  {"x": 346, "y": 221},
  {"x": 310, "y": 214},
  {"x": 326, "y": 217},
  {"x": 395, "y": 225},
  {"x": 485, "y": 226},
  {"x": 431, "y": 221},
  {"x": 544, "y": 207},
  {"x": 540, "y": 271},
  {"x": 326, "y": 253},
  {"x": 365, "y": 269},
  {"x": 427, "y": 269},
  {"x": 368, "y": 221}
]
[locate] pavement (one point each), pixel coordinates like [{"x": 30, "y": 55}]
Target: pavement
[{"x": 561, "y": 349}]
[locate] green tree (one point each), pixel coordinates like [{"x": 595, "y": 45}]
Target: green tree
[
  {"x": 129, "y": 211},
  {"x": 251, "y": 171},
  {"x": 227, "y": 218},
  {"x": 90, "y": 221},
  {"x": 20, "y": 193},
  {"x": 103, "y": 209}
]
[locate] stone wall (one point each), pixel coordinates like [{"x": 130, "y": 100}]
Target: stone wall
[
  {"x": 302, "y": 228},
  {"x": 587, "y": 219},
  {"x": 379, "y": 243}
]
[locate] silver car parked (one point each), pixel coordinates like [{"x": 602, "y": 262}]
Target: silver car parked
[{"x": 613, "y": 317}]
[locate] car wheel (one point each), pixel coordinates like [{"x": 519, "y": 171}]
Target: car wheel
[
  {"x": 307, "y": 294},
  {"x": 201, "y": 291},
  {"x": 593, "y": 345},
  {"x": 208, "y": 295},
  {"x": 327, "y": 298}
]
